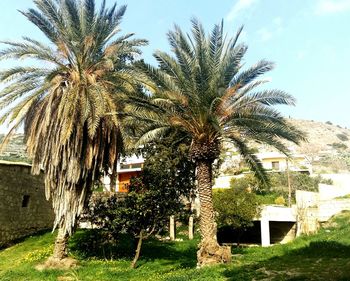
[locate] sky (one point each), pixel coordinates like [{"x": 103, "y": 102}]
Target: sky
[{"x": 309, "y": 41}]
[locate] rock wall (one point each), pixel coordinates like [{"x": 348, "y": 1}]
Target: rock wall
[{"x": 23, "y": 207}]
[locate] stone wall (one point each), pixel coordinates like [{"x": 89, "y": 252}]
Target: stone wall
[{"x": 23, "y": 207}]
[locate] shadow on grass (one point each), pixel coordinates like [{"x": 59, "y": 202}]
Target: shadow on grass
[
  {"x": 90, "y": 244},
  {"x": 23, "y": 238},
  {"x": 318, "y": 260},
  {"x": 322, "y": 260}
]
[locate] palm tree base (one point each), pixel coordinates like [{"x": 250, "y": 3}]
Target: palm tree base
[
  {"x": 59, "y": 264},
  {"x": 210, "y": 253}
]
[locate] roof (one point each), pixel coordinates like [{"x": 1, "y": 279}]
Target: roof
[
  {"x": 268, "y": 155},
  {"x": 3, "y": 162}
]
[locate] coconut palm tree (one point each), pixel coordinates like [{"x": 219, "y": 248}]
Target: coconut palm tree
[
  {"x": 203, "y": 90},
  {"x": 61, "y": 98}
]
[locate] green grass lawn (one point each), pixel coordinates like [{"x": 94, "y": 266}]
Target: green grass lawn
[{"x": 325, "y": 256}]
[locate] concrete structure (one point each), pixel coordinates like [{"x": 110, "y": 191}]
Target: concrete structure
[
  {"x": 278, "y": 162},
  {"x": 24, "y": 209},
  {"x": 282, "y": 219},
  {"x": 311, "y": 209},
  {"x": 127, "y": 168}
]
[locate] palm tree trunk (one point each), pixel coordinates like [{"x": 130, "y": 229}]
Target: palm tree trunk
[
  {"x": 60, "y": 250},
  {"x": 210, "y": 252}
]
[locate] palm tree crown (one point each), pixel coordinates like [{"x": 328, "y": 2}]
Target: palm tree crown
[{"x": 63, "y": 99}]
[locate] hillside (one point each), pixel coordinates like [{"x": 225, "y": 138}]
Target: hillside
[
  {"x": 323, "y": 137},
  {"x": 15, "y": 150},
  {"x": 328, "y": 146}
]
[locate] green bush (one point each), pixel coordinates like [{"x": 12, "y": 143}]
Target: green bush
[
  {"x": 280, "y": 200},
  {"x": 339, "y": 146},
  {"x": 343, "y": 137},
  {"x": 235, "y": 208},
  {"x": 278, "y": 183}
]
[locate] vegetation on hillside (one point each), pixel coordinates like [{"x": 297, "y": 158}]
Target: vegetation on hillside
[{"x": 278, "y": 185}]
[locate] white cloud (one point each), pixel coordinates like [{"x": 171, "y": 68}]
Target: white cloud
[
  {"x": 238, "y": 7},
  {"x": 264, "y": 34},
  {"x": 331, "y": 6},
  {"x": 267, "y": 33}
]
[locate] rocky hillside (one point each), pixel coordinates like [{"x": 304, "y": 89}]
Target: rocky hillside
[
  {"x": 323, "y": 137},
  {"x": 15, "y": 150},
  {"x": 328, "y": 146}
]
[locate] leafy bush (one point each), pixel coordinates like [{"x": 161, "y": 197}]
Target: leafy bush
[
  {"x": 235, "y": 207},
  {"x": 280, "y": 200},
  {"x": 340, "y": 146},
  {"x": 155, "y": 195},
  {"x": 343, "y": 137},
  {"x": 279, "y": 183}
]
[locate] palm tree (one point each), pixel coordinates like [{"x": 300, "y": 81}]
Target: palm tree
[
  {"x": 62, "y": 99},
  {"x": 202, "y": 90}
]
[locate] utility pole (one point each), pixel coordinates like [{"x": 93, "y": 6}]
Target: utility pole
[{"x": 289, "y": 186}]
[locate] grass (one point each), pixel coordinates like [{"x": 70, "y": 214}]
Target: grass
[{"x": 324, "y": 256}]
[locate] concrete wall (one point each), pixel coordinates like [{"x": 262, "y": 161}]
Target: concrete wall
[
  {"x": 333, "y": 191},
  {"x": 23, "y": 207},
  {"x": 223, "y": 181}
]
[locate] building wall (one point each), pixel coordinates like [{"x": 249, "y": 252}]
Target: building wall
[
  {"x": 124, "y": 180},
  {"x": 23, "y": 206},
  {"x": 267, "y": 163}
]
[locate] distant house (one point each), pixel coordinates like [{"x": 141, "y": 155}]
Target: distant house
[
  {"x": 272, "y": 162},
  {"x": 278, "y": 162},
  {"x": 127, "y": 168}
]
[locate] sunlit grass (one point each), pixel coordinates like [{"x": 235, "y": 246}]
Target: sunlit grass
[{"x": 325, "y": 256}]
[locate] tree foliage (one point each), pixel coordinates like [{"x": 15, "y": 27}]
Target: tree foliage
[
  {"x": 278, "y": 183},
  {"x": 235, "y": 207},
  {"x": 159, "y": 192}
]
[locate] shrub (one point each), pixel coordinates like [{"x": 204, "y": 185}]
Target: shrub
[
  {"x": 340, "y": 146},
  {"x": 235, "y": 208},
  {"x": 278, "y": 184},
  {"x": 342, "y": 137},
  {"x": 280, "y": 200},
  {"x": 248, "y": 182}
]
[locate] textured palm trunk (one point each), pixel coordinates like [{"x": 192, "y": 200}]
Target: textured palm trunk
[
  {"x": 210, "y": 252},
  {"x": 60, "y": 251}
]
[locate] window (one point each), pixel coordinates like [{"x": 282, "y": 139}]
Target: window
[
  {"x": 275, "y": 165},
  {"x": 25, "y": 201}
]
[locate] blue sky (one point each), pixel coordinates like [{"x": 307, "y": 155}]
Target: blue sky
[{"x": 309, "y": 41}]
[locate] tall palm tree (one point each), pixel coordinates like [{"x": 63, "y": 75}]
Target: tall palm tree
[
  {"x": 83, "y": 72},
  {"x": 203, "y": 90}
]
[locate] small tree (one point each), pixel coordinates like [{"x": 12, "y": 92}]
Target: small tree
[
  {"x": 235, "y": 207},
  {"x": 167, "y": 178}
]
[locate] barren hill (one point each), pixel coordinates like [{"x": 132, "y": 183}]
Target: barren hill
[{"x": 322, "y": 136}]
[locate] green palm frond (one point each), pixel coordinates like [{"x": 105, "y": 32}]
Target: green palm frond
[{"x": 203, "y": 90}]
